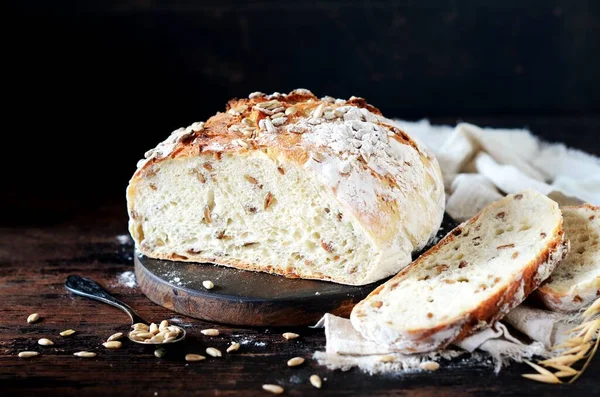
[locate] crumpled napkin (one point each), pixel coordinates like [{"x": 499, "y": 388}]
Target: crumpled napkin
[{"x": 479, "y": 166}]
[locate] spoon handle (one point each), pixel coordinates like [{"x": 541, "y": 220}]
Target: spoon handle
[{"x": 90, "y": 289}]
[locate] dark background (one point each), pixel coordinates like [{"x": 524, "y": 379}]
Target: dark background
[{"x": 92, "y": 85}]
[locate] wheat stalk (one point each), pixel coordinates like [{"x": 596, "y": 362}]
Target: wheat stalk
[{"x": 572, "y": 351}]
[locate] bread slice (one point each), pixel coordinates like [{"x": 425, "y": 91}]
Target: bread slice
[
  {"x": 289, "y": 184},
  {"x": 470, "y": 279},
  {"x": 576, "y": 280}
]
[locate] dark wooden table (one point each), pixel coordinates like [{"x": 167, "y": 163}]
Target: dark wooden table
[
  {"x": 34, "y": 262},
  {"x": 42, "y": 242}
]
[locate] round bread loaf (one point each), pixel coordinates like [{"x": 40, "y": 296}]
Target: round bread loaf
[{"x": 324, "y": 189}]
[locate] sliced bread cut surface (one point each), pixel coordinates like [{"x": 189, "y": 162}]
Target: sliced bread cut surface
[
  {"x": 289, "y": 184},
  {"x": 470, "y": 279},
  {"x": 576, "y": 280}
]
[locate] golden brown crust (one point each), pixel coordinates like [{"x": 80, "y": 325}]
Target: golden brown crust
[{"x": 223, "y": 128}]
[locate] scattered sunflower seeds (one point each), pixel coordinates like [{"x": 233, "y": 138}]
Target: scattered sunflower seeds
[
  {"x": 116, "y": 336},
  {"x": 194, "y": 357},
  {"x": 85, "y": 354},
  {"x": 290, "y": 335},
  {"x": 210, "y": 332},
  {"x": 315, "y": 380},
  {"x": 67, "y": 332},
  {"x": 208, "y": 284},
  {"x": 33, "y": 318},
  {"x": 429, "y": 365},
  {"x": 155, "y": 333},
  {"x": 234, "y": 347},
  {"x": 294, "y": 362},
  {"x": 275, "y": 389},
  {"x": 115, "y": 344},
  {"x": 211, "y": 351},
  {"x": 45, "y": 342},
  {"x": 28, "y": 354}
]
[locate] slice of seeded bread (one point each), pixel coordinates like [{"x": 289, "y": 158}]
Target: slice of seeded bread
[
  {"x": 470, "y": 279},
  {"x": 576, "y": 280}
]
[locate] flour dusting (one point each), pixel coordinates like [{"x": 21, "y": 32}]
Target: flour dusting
[{"x": 127, "y": 279}]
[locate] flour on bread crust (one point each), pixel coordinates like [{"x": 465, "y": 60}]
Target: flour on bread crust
[{"x": 348, "y": 160}]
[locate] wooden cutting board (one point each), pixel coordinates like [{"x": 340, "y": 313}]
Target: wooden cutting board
[{"x": 247, "y": 298}]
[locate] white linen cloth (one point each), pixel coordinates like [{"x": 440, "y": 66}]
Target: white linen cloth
[{"x": 479, "y": 166}]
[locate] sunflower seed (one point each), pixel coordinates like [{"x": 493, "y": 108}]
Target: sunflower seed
[
  {"x": 315, "y": 380},
  {"x": 115, "y": 344},
  {"x": 234, "y": 347},
  {"x": 318, "y": 157},
  {"x": 144, "y": 335},
  {"x": 116, "y": 336},
  {"x": 197, "y": 126},
  {"x": 429, "y": 365},
  {"x": 207, "y": 214},
  {"x": 45, "y": 342},
  {"x": 32, "y": 318},
  {"x": 28, "y": 354},
  {"x": 290, "y": 335},
  {"x": 329, "y": 115},
  {"x": 294, "y": 362},
  {"x": 160, "y": 353},
  {"x": 277, "y": 115},
  {"x": 318, "y": 112},
  {"x": 208, "y": 284},
  {"x": 194, "y": 357},
  {"x": 140, "y": 326},
  {"x": 279, "y": 121},
  {"x": 153, "y": 329},
  {"x": 275, "y": 389},
  {"x": 164, "y": 324},
  {"x": 85, "y": 354},
  {"x": 255, "y": 94},
  {"x": 269, "y": 104},
  {"x": 269, "y": 126},
  {"x": 211, "y": 351},
  {"x": 276, "y": 110},
  {"x": 210, "y": 332},
  {"x": 268, "y": 200},
  {"x": 67, "y": 332},
  {"x": 291, "y": 110},
  {"x": 157, "y": 339}
]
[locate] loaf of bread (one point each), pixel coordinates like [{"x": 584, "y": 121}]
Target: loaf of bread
[
  {"x": 576, "y": 281},
  {"x": 289, "y": 184},
  {"x": 470, "y": 279}
]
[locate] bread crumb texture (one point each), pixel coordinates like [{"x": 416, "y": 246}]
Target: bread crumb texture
[{"x": 289, "y": 184}]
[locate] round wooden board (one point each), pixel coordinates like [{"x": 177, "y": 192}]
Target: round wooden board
[{"x": 242, "y": 297}]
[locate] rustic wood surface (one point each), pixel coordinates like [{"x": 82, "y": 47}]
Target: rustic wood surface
[
  {"x": 242, "y": 297},
  {"x": 35, "y": 259}
]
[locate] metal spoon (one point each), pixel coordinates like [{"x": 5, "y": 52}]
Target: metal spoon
[{"x": 90, "y": 289}]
